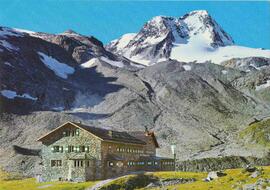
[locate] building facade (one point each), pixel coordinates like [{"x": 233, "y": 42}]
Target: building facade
[{"x": 77, "y": 152}]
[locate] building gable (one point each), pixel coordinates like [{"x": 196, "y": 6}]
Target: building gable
[{"x": 50, "y": 136}]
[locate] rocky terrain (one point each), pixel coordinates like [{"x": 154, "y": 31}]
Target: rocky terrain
[{"x": 48, "y": 79}]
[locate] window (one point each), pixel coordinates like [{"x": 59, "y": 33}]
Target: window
[
  {"x": 110, "y": 164},
  {"x": 77, "y": 132},
  {"x": 70, "y": 148},
  {"x": 77, "y": 149},
  {"x": 66, "y": 133},
  {"x": 86, "y": 149},
  {"x": 82, "y": 148},
  {"x": 56, "y": 163},
  {"x": 149, "y": 163},
  {"x": 140, "y": 163},
  {"x": 88, "y": 163},
  {"x": 156, "y": 163},
  {"x": 57, "y": 149},
  {"x": 78, "y": 163}
]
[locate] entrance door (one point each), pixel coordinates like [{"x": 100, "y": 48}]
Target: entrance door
[{"x": 90, "y": 169}]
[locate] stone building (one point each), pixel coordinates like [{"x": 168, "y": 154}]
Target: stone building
[{"x": 77, "y": 152}]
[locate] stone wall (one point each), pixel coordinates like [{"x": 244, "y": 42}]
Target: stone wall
[{"x": 68, "y": 170}]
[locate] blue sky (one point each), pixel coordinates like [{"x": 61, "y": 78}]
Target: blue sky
[{"x": 247, "y": 22}]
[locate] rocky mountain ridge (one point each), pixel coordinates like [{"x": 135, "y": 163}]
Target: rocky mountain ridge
[
  {"x": 48, "y": 79},
  {"x": 195, "y": 36}
]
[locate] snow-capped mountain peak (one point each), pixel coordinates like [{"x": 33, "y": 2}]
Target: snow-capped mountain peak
[
  {"x": 200, "y": 22},
  {"x": 196, "y": 36}
]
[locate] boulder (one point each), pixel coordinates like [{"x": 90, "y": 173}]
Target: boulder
[
  {"x": 214, "y": 174},
  {"x": 255, "y": 174},
  {"x": 250, "y": 168}
]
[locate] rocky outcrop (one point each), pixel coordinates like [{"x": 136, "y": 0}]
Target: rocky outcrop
[{"x": 215, "y": 164}]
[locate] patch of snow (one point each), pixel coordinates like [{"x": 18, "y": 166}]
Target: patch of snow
[
  {"x": 8, "y": 45},
  {"x": 124, "y": 40},
  {"x": 9, "y": 94},
  {"x": 224, "y": 72},
  {"x": 162, "y": 59},
  {"x": 263, "y": 86},
  {"x": 7, "y": 63},
  {"x": 257, "y": 67},
  {"x": 12, "y": 94},
  {"x": 200, "y": 51},
  {"x": 146, "y": 62},
  {"x": 24, "y": 31},
  {"x": 58, "y": 108},
  {"x": 187, "y": 67},
  {"x": 80, "y": 109},
  {"x": 89, "y": 63},
  {"x": 70, "y": 34},
  {"x": 154, "y": 40},
  {"x": 157, "y": 20},
  {"x": 60, "y": 69},
  {"x": 27, "y": 96},
  {"x": 6, "y": 32},
  {"x": 143, "y": 61},
  {"x": 111, "y": 62}
]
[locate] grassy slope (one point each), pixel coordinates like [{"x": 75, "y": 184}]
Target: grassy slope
[
  {"x": 257, "y": 133},
  {"x": 7, "y": 182},
  {"x": 234, "y": 178}
]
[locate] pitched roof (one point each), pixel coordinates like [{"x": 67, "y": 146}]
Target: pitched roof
[
  {"x": 111, "y": 135},
  {"x": 144, "y": 136},
  {"x": 103, "y": 134}
]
